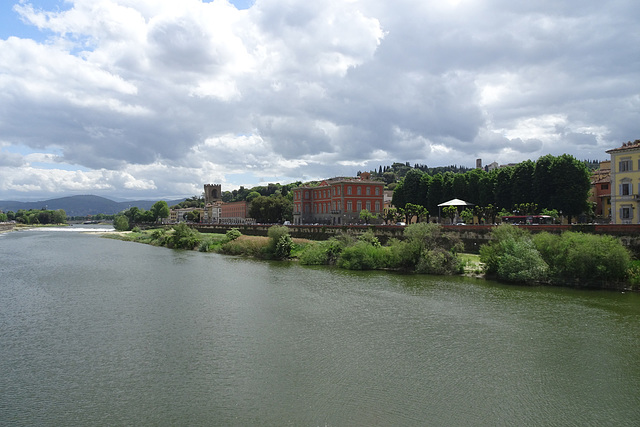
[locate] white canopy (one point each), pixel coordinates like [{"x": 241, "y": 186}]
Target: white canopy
[{"x": 455, "y": 202}]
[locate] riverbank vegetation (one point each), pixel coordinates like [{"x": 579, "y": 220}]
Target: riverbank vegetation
[
  {"x": 513, "y": 254},
  {"x": 571, "y": 259},
  {"x": 424, "y": 249},
  {"x": 278, "y": 245}
]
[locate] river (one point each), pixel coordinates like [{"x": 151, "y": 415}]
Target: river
[{"x": 95, "y": 331}]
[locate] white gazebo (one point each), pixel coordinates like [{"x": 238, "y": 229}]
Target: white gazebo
[{"x": 452, "y": 202}]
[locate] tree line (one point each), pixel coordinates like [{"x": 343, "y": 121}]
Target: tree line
[
  {"x": 126, "y": 219},
  {"x": 35, "y": 216},
  {"x": 559, "y": 183}
]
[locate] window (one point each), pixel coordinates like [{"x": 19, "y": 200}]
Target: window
[
  {"x": 625, "y": 213},
  {"x": 377, "y": 191},
  {"x": 368, "y": 205},
  {"x": 349, "y": 190},
  {"x": 377, "y": 207},
  {"x": 625, "y": 189},
  {"x": 368, "y": 191},
  {"x": 624, "y": 165},
  {"x": 359, "y": 206},
  {"x": 604, "y": 187},
  {"x": 306, "y": 194},
  {"x": 359, "y": 190},
  {"x": 349, "y": 205}
]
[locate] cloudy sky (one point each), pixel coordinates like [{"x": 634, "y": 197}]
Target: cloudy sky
[{"x": 131, "y": 99}]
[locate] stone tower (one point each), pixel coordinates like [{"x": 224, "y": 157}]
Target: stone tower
[{"x": 212, "y": 193}]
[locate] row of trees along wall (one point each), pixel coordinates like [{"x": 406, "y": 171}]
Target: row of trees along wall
[{"x": 561, "y": 183}]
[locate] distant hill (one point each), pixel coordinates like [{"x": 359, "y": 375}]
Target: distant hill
[{"x": 82, "y": 205}]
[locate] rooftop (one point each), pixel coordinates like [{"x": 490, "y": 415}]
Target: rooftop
[{"x": 626, "y": 146}]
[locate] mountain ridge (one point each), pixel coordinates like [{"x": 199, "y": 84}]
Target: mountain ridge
[{"x": 81, "y": 205}]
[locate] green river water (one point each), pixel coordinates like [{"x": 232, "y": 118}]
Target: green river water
[{"x": 96, "y": 331}]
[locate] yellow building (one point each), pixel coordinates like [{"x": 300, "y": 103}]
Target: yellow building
[{"x": 625, "y": 183}]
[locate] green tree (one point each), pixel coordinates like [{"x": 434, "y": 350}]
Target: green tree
[
  {"x": 411, "y": 210},
  {"x": 193, "y": 216},
  {"x": 460, "y": 186},
  {"x": 121, "y": 223},
  {"x": 59, "y": 217},
  {"x": 503, "y": 188},
  {"x": 414, "y": 187},
  {"x": 467, "y": 216},
  {"x": 252, "y": 195},
  {"x": 160, "y": 210},
  {"x": 271, "y": 209},
  {"x": 522, "y": 182},
  {"x": 544, "y": 182},
  {"x": 366, "y": 216},
  {"x": 435, "y": 194},
  {"x": 44, "y": 217},
  {"x": 133, "y": 214},
  {"x": 451, "y": 212},
  {"x": 392, "y": 215},
  {"x": 572, "y": 185}
]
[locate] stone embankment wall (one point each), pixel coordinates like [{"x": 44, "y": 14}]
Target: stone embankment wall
[{"x": 473, "y": 236}]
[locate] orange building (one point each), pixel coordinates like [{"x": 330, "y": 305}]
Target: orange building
[
  {"x": 338, "y": 201},
  {"x": 235, "y": 213}
]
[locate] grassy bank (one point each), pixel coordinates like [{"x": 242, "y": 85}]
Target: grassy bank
[
  {"x": 231, "y": 243},
  {"x": 425, "y": 248}
]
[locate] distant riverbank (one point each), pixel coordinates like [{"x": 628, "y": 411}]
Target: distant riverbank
[{"x": 363, "y": 252}]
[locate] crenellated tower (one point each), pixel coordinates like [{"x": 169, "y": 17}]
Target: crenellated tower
[{"x": 212, "y": 193}]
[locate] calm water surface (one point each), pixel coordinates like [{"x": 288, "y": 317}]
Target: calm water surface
[{"x": 96, "y": 331}]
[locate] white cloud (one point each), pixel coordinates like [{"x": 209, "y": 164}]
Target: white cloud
[{"x": 157, "y": 97}]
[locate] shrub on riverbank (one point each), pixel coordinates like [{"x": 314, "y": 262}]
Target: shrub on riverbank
[
  {"x": 569, "y": 258},
  {"x": 584, "y": 258},
  {"x": 280, "y": 243},
  {"x": 321, "y": 253},
  {"x": 363, "y": 256},
  {"x": 425, "y": 250},
  {"x": 183, "y": 237},
  {"x": 512, "y": 256}
]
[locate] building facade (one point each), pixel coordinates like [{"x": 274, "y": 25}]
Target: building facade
[
  {"x": 180, "y": 214},
  {"x": 235, "y": 213},
  {"x": 212, "y": 212},
  {"x": 338, "y": 201},
  {"x": 625, "y": 183},
  {"x": 601, "y": 191}
]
